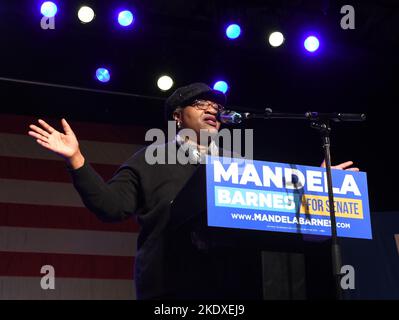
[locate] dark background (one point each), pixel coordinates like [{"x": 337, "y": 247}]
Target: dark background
[{"x": 354, "y": 71}]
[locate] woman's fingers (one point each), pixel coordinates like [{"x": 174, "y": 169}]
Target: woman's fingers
[
  {"x": 39, "y": 130},
  {"x": 38, "y": 136},
  {"x": 344, "y": 165},
  {"x": 46, "y": 126},
  {"x": 44, "y": 144},
  {"x": 66, "y": 126}
]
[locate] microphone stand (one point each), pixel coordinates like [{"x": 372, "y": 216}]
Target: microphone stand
[{"x": 321, "y": 122}]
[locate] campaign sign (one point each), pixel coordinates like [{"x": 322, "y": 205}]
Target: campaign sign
[{"x": 280, "y": 197}]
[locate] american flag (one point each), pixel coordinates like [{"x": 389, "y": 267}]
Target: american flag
[{"x": 44, "y": 222}]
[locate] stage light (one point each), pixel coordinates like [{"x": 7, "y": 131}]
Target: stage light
[
  {"x": 85, "y": 14},
  {"x": 276, "y": 39},
  {"x": 125, "y": 18},
  {"x": 48, "y": 9},
  {"x": 233, "y": 31},
  {"x": 221, "y": 86},
  {"x": 165, "y": 83},
  {"x": 311, "y": 43},
  {"x": 103, "y": 75}
]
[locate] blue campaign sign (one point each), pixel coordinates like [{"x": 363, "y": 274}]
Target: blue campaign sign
[{"x": 271, "y": 196}]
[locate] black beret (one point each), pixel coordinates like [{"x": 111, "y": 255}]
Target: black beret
[{"x": 184, "y": 96}]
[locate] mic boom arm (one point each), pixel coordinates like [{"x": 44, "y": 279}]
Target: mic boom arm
[{"x": 233, "y": 117}]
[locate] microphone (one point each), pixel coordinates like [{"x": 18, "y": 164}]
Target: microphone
[{"x": 231, "y": 117}]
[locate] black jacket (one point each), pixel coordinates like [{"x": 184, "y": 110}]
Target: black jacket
[{"x": 164, "y": 269}]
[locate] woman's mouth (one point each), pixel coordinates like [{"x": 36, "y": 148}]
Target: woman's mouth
[{"x": 211, "y": 120}]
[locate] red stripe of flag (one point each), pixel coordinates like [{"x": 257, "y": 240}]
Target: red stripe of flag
[
  {"x": 57, "y": 217},
  {"x": 18, "y": 124},
  {"x": 17, "y": 264},
  {"x": 45, "y": 170}
]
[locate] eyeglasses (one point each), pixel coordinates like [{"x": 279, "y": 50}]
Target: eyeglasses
[{"x": 204, "y": 105}]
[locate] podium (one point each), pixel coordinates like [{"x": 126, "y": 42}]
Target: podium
[
  {"x": 188, "y": 214},
  {"x": 190, "y": 230},
  {"x": 214, "y": 250}
]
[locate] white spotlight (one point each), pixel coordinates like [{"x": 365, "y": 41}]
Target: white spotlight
[
  {"x": 165, "y": 83},
  {"x": 85, "y": 14},
  {"x": 276, "y": 39}
]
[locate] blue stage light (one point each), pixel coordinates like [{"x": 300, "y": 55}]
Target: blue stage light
[
  {"x": 48, "y": 9},
  {"x": 233, "y": 31},
  {"x": 311, "y": 43},
  {"x": 221, "y": 86},
  {"x": 103, "y": 75},
  {"x": 125, "y": 18}
]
